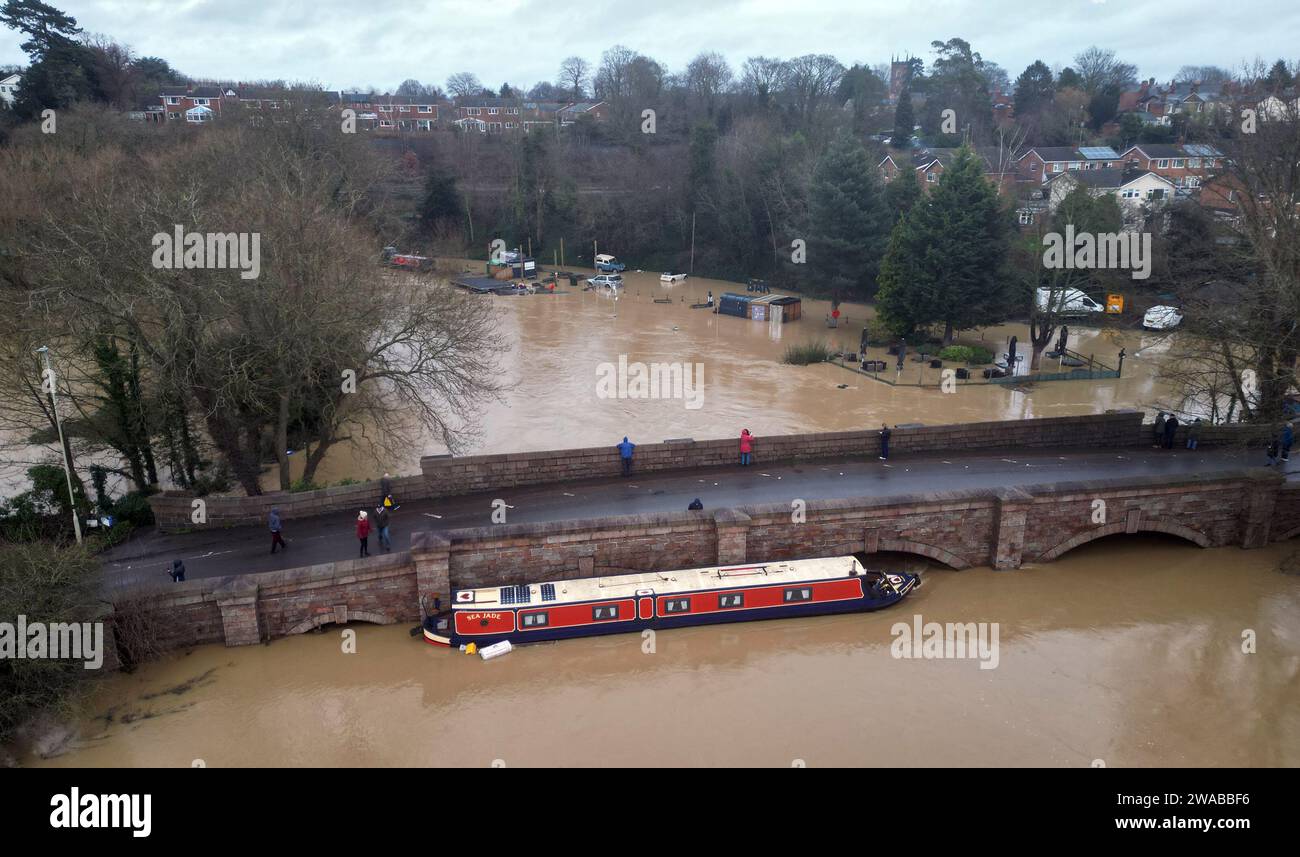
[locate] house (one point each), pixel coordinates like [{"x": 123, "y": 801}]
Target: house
[
  {"x": 9, "y": 88},
  {"x": 1187, "y": 166},
  {"x": 1275, "y": 108},
  {"x": 1136, "y": 191},
  {"x": 179, "y": 101},
  {"x": 569, "y": 114},
  {"x": 1040, "y": 163},
  {"x": 496, "y": 114}
]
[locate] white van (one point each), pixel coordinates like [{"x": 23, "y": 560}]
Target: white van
[{"x": 1067, "y": 302}]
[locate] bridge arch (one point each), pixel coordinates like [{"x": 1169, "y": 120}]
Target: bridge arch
[
  {"x": 332, "y": 617},
  {"x": 930, "y": 551},
  {"x": 1148, "y": 525}
]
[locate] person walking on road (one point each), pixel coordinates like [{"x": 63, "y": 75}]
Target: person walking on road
[
  {"x": 1288, "y": 437},
  {"x": 363, "y": 532},
  {"x": 382, "y": 522},
  {"x": 884, "y": 442},
  {"x": 1194, "y": 434},
  {"x": 625, "y": 453},
  {"x": 1171, "y": 429},
  {"x": 178, "y": 571},
  {"x": 746, "y": 447},
  {"x": 277, "y": 540}
]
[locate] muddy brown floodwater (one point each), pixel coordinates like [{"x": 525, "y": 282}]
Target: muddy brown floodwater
[
  {"x": 1128, "y": 650},
  {"x": 559, "y": 341}
]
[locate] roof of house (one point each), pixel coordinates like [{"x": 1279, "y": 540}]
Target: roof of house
[
  {"x": 1158, "y": 150},
  {"x": 581, "y": 107},
  {"x": 193, "y": 91},
  {"x": 1054, "y": 153},
  {"x": 1104, "y": 179}
]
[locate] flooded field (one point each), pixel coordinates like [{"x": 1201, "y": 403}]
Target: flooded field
[
  {"x": 560, "y": 341},
  {"x": 1128, "y": 650}
]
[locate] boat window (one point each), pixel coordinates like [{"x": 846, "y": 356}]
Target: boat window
[
  {"x": 677, "y": 605},
  {"x": 798, "y": 593},
  {"x": 604, "y": 611},
  {"x": 533, "y": 620},
  {"x": 731, "y": 599}
]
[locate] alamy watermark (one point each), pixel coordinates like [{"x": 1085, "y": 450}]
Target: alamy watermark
[
  {"x": 638, "y": 380},
  {"x": 218, "y": 250},
  {"x": 940, "y": 641},
  {"x": 1088, "y": 251},
  {"x": 80, "y": 641}
]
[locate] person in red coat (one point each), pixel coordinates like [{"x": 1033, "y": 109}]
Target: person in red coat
[
  {"x": 363, "y": 532},
  {"x": 746, "y": 447}
]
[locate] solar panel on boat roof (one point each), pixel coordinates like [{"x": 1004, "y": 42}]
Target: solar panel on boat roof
[{"x": 548, "y": 591}]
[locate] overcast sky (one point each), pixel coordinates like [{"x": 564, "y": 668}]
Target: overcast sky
[{"x": 382, "y": 42}]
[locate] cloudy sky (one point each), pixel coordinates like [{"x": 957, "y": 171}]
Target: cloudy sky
[{"x": 382, "y": 42}]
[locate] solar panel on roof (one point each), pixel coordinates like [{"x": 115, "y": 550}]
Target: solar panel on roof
[
  {"x": 548, "y": 591},
  {"x": 1098, "y": 152}
]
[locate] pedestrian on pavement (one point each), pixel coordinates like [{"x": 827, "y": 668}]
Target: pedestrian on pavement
[
  {"x": 386, "y": 492},
  {"x": 1288, "y": 437},
  {"x": 884, "y": 442},
  {"x": 382, "y": 522},
  {"x": 1171, "y": 428},
  {"x": 1158, "y": 432},
  {"x": 178, "y": 571},
  {"x": 1194, "y": 434},
  {"x": 1274, "y": 446},
  {"x": 625, "y": 452},
  {"x": 746, "y": 447},
  {"x": 363, "y": 532},
  {"x": 277, "y": 540}
]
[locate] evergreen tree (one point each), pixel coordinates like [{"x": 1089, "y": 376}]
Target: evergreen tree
[
  {"x": 1034, "y": 89},
  {"x": 946, "y": 262},
  {"x": 1069, "y": 79},
  {"x": 904, "y": 120},
  {"x": 441, "y": 205},
  {"x": 1279, "y": 78},
  {"x": 849, "y": 222},
  {"x": 902, "y": 194}
]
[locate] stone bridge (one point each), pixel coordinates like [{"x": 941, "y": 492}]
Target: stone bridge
[{"x": 1004, "y": 528}]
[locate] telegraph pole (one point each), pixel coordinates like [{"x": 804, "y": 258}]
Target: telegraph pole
[{"x": 44, "y": 351}]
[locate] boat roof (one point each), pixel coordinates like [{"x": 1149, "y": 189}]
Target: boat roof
[{"x": 684, "y": 581}]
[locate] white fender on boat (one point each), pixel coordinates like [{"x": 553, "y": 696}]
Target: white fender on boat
[{"x": 495, "y": 650}]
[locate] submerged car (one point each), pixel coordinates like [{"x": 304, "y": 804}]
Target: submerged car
[
  {"x": 606, "y": 281},
  {"x": 667, "y": 277},
  {"x": 1162, "y": 318}
]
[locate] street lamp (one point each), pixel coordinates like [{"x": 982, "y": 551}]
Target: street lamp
[{"x": 44, "y": 351}]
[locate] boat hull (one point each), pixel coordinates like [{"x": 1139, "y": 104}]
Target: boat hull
[{"x": 647, "y": 612}]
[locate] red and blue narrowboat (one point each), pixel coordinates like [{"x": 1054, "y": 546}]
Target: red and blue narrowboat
[{"x": 627, "y": 603}]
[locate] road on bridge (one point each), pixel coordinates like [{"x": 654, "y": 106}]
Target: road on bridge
[{"x": 331, "y": 537}]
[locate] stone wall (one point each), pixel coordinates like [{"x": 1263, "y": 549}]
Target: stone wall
[{"x": 1005, "y": 528}]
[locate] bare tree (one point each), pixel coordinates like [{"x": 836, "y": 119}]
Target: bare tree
[
  {"x": 575, "y": 73},
  {"x": 1099, "y": 69},
  {"x": 464, "y": 84}
]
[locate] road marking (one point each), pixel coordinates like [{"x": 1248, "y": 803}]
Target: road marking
[
  {"x": 567, "y": 494},
  {"x": 431, "y": 515}
]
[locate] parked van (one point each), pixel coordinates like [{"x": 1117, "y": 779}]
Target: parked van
[
  {"x": 609, "y": 264},
  {"x": 1068, "y": 302}
]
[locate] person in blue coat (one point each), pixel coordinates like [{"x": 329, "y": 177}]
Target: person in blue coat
[
  {"x": 625, "y": 452},
  {"x": 1288, "y": 437}
]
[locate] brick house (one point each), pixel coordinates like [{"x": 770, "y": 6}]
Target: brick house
[
  {"x": 570, "y": 113},
  {"x": 1187, "y": 166},
  {"x": 194, "y": 104},
  {"x": 1136, "y": 191}
]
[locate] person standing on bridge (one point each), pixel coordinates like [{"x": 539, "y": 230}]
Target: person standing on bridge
[
  {"x": 276, "y": 538},
  {"x": 363, "y": 532},
  {"x": 386, "y": 492},
  {"x": 746, "y": 447},
  {"x": 625, "y": 453},
  {"x": 1158, "y": 430},
  {"x": 382, "y": 521},
  {"x": 884, "y": 442},
  {"x": 1194, "y": 434},
  {"x": 1171, "y": 429},
  {"x": 1288, "y": 437},
  {"x": 178, "y": 571},
  {"x": 1274, "y": 446}
]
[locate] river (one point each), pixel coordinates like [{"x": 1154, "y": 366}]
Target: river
[{"x": 1125, "y": 652}]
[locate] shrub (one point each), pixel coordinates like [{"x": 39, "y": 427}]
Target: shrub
[
  {"x": 973, "y": 354},
  {"x": 879, "y": 334},
  {"x": 133, "y": 509},
  {"x": 807, "y": 352}
]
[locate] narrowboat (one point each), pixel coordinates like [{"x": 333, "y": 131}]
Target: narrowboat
[{"x": 626, "y": 603}]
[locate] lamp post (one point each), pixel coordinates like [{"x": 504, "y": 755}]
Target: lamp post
[{"x": 44, "y": 351}]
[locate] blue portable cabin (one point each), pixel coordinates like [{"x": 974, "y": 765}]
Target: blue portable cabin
[{"x": 733, "y": 304}]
